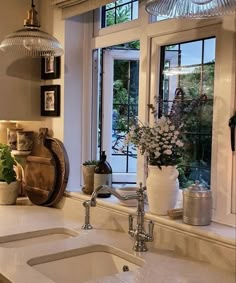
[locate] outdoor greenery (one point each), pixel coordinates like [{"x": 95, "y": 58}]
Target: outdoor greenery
[{"x": 119, "y": 13}]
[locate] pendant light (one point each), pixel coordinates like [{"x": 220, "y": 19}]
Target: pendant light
[
  {"x": 190, "y": 8},
  {"x": 31, "y": 41}
]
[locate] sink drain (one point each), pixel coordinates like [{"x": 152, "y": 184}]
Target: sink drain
[{"x": 125, "y": 268}]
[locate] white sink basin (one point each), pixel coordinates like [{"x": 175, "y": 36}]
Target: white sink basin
[
  {"x": 85, "y": 264},
  {"x": 36, "y": 237}
]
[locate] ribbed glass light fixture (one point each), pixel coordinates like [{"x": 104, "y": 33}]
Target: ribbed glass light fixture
[
  {"x": 31, "y": 41},
  {"x": 190, "y": 8}
]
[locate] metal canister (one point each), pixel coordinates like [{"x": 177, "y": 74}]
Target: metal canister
[{"x": 197, "y": 205}]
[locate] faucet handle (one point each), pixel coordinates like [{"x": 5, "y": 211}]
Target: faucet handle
[
  {"x": 131, "y": 219},
  {"x": 141, "y": 187},
  {"x": 150, "y": 230}
]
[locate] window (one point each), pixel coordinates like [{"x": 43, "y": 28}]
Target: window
[
  {"x": 205, "y": 72},
  {"x": 189, "y": 66},
  {"x": 120, "y": 11},
  {"x": 169, "y": 44}
]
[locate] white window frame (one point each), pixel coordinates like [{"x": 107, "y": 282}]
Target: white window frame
[{"x": 141, "y": 29}]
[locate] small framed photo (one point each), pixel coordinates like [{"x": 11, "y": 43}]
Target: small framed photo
[
  {"x": 50, "y": 100},
  {"x": 50, "y": 68}
]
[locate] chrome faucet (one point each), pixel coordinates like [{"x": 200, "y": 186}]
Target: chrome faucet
[{"x": 139, "y": 234}]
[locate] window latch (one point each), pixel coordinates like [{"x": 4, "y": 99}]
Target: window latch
[{"x": 232, "y": 125}]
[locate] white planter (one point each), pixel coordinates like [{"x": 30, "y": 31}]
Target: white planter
[
  {"x": 8, "y": 192},
  {"x": 162, "y": 188}
]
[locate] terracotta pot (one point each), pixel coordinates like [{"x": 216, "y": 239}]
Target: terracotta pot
[
  {"x": 9, "y": 192},
  {"x": 162, "y": 188},
  {"x": 88, "y": 176}
]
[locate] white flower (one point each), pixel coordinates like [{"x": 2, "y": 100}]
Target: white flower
[
  {"x": 179, "y": 143},
  {"x": 167, "y": 151},
  {"x": 157, "y": 154},
  {"x": 157, "y": 140},
  {"x": 166, "y": 128}
]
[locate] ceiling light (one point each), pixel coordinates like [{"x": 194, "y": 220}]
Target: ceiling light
[
  {"x": 190, "y": 8},
  {"x": 31, "y": 41},
  {"x": 201, "y": 2}
]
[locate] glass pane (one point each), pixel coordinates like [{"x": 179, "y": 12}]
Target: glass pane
[
  {"x": 118, "y": 163},
  {"x": 208, "y": 79},
  {"x": 120, "y": 11},
  {"x": 190, "y": 82},
  {"x": 120, "y": 2},
  {"x": 191, "y": 53},
  {"x": 209, "y": 50},
  {"x": 111, "y": 5},
  {"x": 171, "y": 57},
  {"x": 110, "y": 17},
  {"x": 123, "y": 14},
  {"x": 186, "y": 70},
  {"x": 132, "y": 164},
  {"x": 135, "y": 10}
]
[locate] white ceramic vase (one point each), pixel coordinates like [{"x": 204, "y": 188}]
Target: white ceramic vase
[
  {"x": 162, "y": 188},
  {"x": 8, "y": 192}
]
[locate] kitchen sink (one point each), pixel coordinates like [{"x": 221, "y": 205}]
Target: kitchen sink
[
  {"x": 85, "y": 264},
  {"x": 36, "y": 237}
]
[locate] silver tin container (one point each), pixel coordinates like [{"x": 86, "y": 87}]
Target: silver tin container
[{"x": 197, "y": 205}]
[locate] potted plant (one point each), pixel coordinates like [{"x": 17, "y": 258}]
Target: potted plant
[
  {"x": 9, "y": 186},
  {"x": 88, "y": 175},
  {"x": 162, "y": 144}
]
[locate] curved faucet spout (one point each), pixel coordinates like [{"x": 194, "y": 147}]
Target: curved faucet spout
[{"x": 109, "y": 190}]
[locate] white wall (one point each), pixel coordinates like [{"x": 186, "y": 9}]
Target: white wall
[{"x": 19, "y": 77}]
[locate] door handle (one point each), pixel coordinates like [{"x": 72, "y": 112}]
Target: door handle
[{"x": 232, "y": 125}]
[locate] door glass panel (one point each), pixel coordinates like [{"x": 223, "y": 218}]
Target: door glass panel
[
  {"x": 125, "y": 108},
  {"x": 118, "y": 107}
]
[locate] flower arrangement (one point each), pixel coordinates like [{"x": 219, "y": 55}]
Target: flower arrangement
[{"x": 161, "y": 142}]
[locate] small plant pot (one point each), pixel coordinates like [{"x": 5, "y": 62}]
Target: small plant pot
[
  {"x": 88, "y": 175},
  {"x": 8, "y": 192}
]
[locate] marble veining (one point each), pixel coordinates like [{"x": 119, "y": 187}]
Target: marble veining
[{"x": 159, "y": 265}]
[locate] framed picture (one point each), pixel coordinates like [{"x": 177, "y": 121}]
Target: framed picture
[
  {"x": 50, "y": 100},
  {"x": 50, "y": 68}
]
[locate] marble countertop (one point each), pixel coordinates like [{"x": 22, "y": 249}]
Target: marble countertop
[{"x": 159, "y": 266}]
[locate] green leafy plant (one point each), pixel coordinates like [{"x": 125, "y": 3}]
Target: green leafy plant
[
  {"x": 7, "y": 162},
  {"x": 90, "y": 162}
]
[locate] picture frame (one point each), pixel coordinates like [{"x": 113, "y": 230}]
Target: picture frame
[
  {"x": 50, "y": 100},
  {"x": 50, "y": 68}
]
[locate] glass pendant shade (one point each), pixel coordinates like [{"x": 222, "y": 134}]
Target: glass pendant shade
[
  {"x": 190, "y": 8},
  {"x": 201, "y": 2},
  {"x": 31, "y": 41}
]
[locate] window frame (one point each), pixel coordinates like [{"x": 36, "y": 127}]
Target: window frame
[{"x": 144, "y": 31}]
